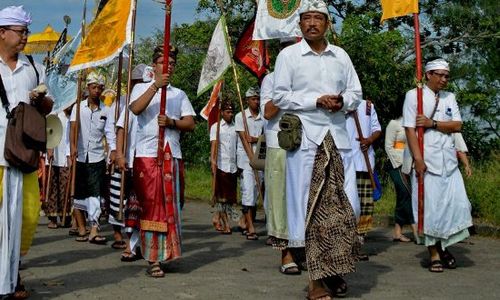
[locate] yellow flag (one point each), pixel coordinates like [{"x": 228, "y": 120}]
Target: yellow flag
[
  {"x": 398, "y": 8},
  {"x": 106, "y": 37}
]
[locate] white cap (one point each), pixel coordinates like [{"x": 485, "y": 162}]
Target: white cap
[
  {"x": 14, "y": 15},
  {"x": 252, "y": 92},
  {"x": 437, "y": 64},
  {"x": 314, "y": 5},
  {"x": 94, "y": 77}
]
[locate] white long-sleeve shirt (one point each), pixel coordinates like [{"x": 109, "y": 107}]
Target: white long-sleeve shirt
[
  {"x": 18, "y": 84},
  {"x": 272, "y": 126},
  {"x": 94, "y": 126},
  {"x": 301, "y": 76}
]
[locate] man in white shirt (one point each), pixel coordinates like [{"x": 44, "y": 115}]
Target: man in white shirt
[
  {"x": 446, "y": 206},
  {"x": 157, "y": 186},
  {"x": 20, "y": 77},
  {"x": 371, "y": 131},
  {"x": 96, "y": 122},
  {"x": 246, "y": 149},
  {"x": 223, "y": 163},
  {"x": 317, "y": 82}
]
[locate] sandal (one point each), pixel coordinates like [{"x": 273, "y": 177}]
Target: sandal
[
  {"x": 436, "y": 266},
  {"x": 74, "y": 231},
  {"x": 402, "y": 239},
  {"x": 52, "y": 225},
  {"x": 128, "y": 256},
  {"x": 252, "y": 236},
  {"x": 226, "y": 231},
  {"x": 81, "y": 238},
  {"x": 449, "y": 261},
  {"x": 290, "y": 269},
  {"x": 119, "y": 245},
  {"x": 98, "y": 240},
  {"x": 336, "y": 285},
  {"x": 155, "y": 271},
  {"x": 318, "y": 293}
]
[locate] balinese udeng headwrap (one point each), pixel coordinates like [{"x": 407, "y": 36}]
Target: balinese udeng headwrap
[
  {"x": 14, "y": 16},
  {"x": 252, "y": 92},
  {"x": 437, "y": 64},
  {"x": 315, "y": 5},
  {"x": 94, "y": 77},
  {"x": 158, "y": 52},
  {"x": 226, "y": 105}
]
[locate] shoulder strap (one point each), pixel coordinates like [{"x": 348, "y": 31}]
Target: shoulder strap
[
  {"x": 32, "y": 62},
  {"x": 3, "y": 95}
]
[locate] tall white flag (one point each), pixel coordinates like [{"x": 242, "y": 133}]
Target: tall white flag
[
  {"x": 277, "y": 19},
  {"x": 218, "y": 58}
]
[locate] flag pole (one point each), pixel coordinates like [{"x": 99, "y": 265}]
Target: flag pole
[
  {"x": 119, "y": 85},
  {"x": 240, "y": 99},
  {"x": 127, "y": 103},
  {"x": 166, "y": 55},
  {"x": 420, "y": 129},
  {"x": 77, "y": 112}
]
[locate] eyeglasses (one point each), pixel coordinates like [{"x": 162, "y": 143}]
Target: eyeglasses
[
  {"x": 21, "y": 32},
  {"x": 442, "y": 75}
]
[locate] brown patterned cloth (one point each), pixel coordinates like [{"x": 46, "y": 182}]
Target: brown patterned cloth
[
  {"x": 331, "y": 242},
  {"x": 54, "y": 204},
  {"x": 365, "y": 195}
]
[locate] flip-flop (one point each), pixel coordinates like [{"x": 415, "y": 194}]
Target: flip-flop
[
  {"x": 252, "y": 236},
  {"x": 401, "y": 239},
  {"x": 119, "y": 245},
  {"x": 318, "y": 293},
  {"x": 336, "y": 285},
  {"x": 128, "y": 257},
  {"x": 290, "y": 269},
  {"x": 98, "y": 240},
  {"x": 81, "y": 238}
]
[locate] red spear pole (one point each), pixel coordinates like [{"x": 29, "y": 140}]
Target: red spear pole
[
  {"x": 166, "y": 53},
  {"x": 420, "y": 129}
]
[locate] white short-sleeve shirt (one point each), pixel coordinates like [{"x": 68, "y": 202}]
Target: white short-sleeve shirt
[
  {"x": 178, "y": 106},
  {"x": 439, "y": 148},
  {"x": 131, "y": 139},
  {"x": 228, "y": 139},
  {"x": 255, "y": 128}
]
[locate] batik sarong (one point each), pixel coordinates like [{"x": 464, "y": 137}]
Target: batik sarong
[
  {"x": 54, "y": 200},
  {"x": 226, "y": 194},
  {"x": 331, "y": 241},
  {"x": 365, "y": 195},
  {"x": 156, "y": 188}
]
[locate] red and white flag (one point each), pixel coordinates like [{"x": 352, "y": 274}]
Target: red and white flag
[{"x": 211, "y": 111}]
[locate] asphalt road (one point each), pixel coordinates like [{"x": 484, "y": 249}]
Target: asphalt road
[{"x": 216, "y": 266}]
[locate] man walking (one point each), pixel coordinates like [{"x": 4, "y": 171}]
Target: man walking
[
  {"x": 447, "y": 210},
  {"x": 317, "y": 82}
]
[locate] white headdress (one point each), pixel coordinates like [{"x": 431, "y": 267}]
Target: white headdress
[
  {"x": 14, "y": 15},
  {"x": 252, "y": 92},
  {"x": 437, "y": 64},
  {"x": 94, "y": 77},
  {"x": 314, "y": 5}
]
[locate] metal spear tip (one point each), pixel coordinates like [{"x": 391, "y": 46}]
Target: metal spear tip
[{"x": 67, "y": 20}]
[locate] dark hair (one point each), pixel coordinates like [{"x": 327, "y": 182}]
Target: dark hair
[{"x": 158, "y": 52}]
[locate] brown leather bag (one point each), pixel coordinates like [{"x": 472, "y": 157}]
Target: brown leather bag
[{"x": 25, "y": 134}]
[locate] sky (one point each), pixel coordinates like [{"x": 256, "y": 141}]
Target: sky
[{"x": 150, "y": 14}]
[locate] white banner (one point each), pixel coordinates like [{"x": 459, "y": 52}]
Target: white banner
[
  {"x": 277, "y": 19},
  {"x": 218, "y": 58}
]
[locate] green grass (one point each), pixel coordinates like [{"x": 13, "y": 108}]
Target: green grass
[
  {"x": 198, "y": 183},
  {"x": 483, "y": 189}
]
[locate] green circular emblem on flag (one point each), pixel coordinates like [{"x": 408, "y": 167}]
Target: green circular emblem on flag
[{"x": 282, "y": 9}]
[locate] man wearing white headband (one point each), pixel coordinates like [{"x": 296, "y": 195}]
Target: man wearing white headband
[
  {"x": 247, "y": 145},
  {"x": 317, "y": 82},
  {"x": 20, "y": 76},
  {"x": 447, "y": 211},
  {"x": 96, "y": 123}
]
